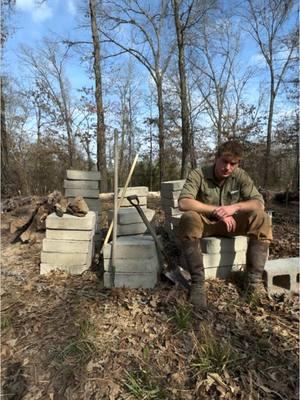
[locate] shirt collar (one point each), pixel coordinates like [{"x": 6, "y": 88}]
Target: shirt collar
[{"x": 208, "y": 172}]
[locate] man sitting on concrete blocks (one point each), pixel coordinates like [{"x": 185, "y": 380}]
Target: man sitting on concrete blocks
[{"x": 221, "y": 200}]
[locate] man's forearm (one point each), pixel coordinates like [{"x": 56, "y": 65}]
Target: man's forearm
[
  {"x": 249, "y": 205},
  {"x": 186, "y": 204}
]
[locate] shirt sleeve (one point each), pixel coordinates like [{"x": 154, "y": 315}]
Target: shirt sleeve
[
  {"x": 191, "y": 186},
  {"x": 248, "y": 189}
]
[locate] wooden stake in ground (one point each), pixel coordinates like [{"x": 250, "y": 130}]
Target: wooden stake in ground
[{"x": 115, "y": 217}]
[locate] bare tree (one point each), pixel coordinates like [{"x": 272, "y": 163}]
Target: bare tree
[
  {"x": 47, "y": 66},
  {"x": 266, "y": 20},
  {"x": 149, "y": 45},
  {"x": 101, "y": 141}
]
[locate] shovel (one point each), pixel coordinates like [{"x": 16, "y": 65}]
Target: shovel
[{"x": 169, "y": 268}]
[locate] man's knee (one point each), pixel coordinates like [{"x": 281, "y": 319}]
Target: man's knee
[
  {"x": 260, "y": 222},
  {"x": 190, "y": 226}
]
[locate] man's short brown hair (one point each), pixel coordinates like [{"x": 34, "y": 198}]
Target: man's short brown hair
[{"x": 231, "y": 148}]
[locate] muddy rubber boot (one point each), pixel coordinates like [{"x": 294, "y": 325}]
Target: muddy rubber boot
[
  {"x": 194, "y": 259},
  {"x": 257, "y": 255}
]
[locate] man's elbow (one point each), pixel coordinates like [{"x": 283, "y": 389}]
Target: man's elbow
[{"x": 182, "y": 204}]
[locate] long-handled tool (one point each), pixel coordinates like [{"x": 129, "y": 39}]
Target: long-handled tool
[{"x": 169, "y": 268}]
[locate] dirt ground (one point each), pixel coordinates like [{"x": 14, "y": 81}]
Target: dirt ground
[{"x": 66, "y": 337}]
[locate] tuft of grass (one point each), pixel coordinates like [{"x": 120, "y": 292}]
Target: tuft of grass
[
  {"x": 141, "y": 384},
  {"x": 213, "y": 354},
  {"x": 182, "y": 317},
  {"x": 5, "y": 322}
]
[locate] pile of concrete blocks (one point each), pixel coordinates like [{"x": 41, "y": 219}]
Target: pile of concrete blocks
[
  {"x": 170, "y": 191},
  {"x": 85, "y": 184},
  {"x": 69, "y": 243},
  {"x": 136, "y": 261}
]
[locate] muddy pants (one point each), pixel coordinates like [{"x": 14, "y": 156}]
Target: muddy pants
[{"x": 255, "y": 224}]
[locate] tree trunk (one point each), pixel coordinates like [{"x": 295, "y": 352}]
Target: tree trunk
[
  {"x": 101, "y": 142},
  {"x": 161, "y": 138},
  {"x": 4, "y": 144},
  {"x": 269, "y": 133},
  {"x": 185, "y": 123}
]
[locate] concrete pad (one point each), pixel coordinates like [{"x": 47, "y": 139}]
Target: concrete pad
[
  {"x": 167, "y": 194},
  {"x": 221, "y": 259},
  {"x": 133, "y": 265},
  {"x": 67, "y": 246},
  {"x": 282, "y": 275},
  {"x": 66, "y": 259},
  {"x": 142, "y": 200},
  {"x": 58, "y": 234},
  {"x": 131, "y": 229},
  {"x": 139, "y": 247},
  {"x": 130, "y": 215},
  {"x": 140, "y": 191},
  {"x": 129, "y": 280},
  {"x": 172, "y": 186},
  {"x": 68, "y": 184},
  {"x": 83, "y": 175},
  {"x": 67, "y": 222},
  {"x": 213, "y": 244},
  {"x": 90, "y": 193},
  {"x": 72, "y": 270}
]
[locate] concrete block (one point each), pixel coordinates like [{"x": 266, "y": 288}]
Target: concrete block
[
  {"x": 58, "y": 234},
  {"x": 72, "y": 270},
  {"x": 68, "y": 184},
  {"x": 67, "y": 222},
  {"x": 282, "y": 275},
  {"x": 131, "y": 229},
  {"x": 133, "y": 265},
  {"x": 130, "y": 215},
  {"x": 66, "y": 259},
  {"x": 172, "y": 186},
  {"x": 170, "y": 211},
  {"x": 140, "y": 191},
  {"x": 93, "y": 204},
  {"x": 167, "y": 194},
  {"x": 142, "y": 199},
  {"x": 128, "y": 247},
  {"x": 222, "y": 272},
  {"x": 174, "y": 219},
  {"x": 129, "y": 280},
  {"x": 223, "y": 259},
  {"x": 67, "y": 246},
  {"x": 213, "y": 245},
  {"x": 83, "y": 175},
  {"x": 90, "y": 193},
  {"x": 166, "y": 203}
]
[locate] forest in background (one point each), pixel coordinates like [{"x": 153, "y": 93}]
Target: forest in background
[{"x": 171, "y": 76}]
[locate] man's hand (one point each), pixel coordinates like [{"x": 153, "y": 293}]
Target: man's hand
[
  {"x": 230, "y": 223},
  {"x": 225, "y": 211}
]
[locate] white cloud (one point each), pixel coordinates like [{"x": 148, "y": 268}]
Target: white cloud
[
  {"x": 257, "y": 59},
  {"x": 39, "y": 12},
  {"x": 71, "y": 7}
]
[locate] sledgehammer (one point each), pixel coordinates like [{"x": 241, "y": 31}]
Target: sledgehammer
[{"x": 169, "y": 268}]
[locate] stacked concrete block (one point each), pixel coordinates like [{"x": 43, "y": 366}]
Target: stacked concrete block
[
  {"x": 282, "y": 276},
  {"x": 140, "y": 191},
  {"x": 136, "y": 262},
  {"x": 129, "y": 221},
  {"x": 170, "y": 191},
  {"x": 223, "y": 255},
  {"x": 85, "y": 184},
  {"x": 69, "y": 243}
]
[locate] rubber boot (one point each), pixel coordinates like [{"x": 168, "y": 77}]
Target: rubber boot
[
  {"x": 257, "y": 255},
  {"x": 194, "y": 259}
]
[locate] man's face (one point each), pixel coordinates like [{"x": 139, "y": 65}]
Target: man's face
[{"x": 224, "y": 166}]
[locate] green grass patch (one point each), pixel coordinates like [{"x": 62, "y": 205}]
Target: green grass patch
[
  {"x": 182, "y": 317},
  {"x": 212, "y": 354},
  {"x": 142, "y": 385}
]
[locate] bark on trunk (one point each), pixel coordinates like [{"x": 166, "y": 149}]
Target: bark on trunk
[
  {"x": 161, "y": 139},
  {"x": 101, "y": 141}
]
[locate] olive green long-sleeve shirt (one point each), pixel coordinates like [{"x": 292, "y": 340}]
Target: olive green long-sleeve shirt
[{"x": 201, "y": 185}]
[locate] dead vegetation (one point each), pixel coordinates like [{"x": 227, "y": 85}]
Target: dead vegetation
[{"x": 68, "y": 338}]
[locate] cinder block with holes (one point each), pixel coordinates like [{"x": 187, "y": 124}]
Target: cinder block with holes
[{"x": 282, "y": 275}]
